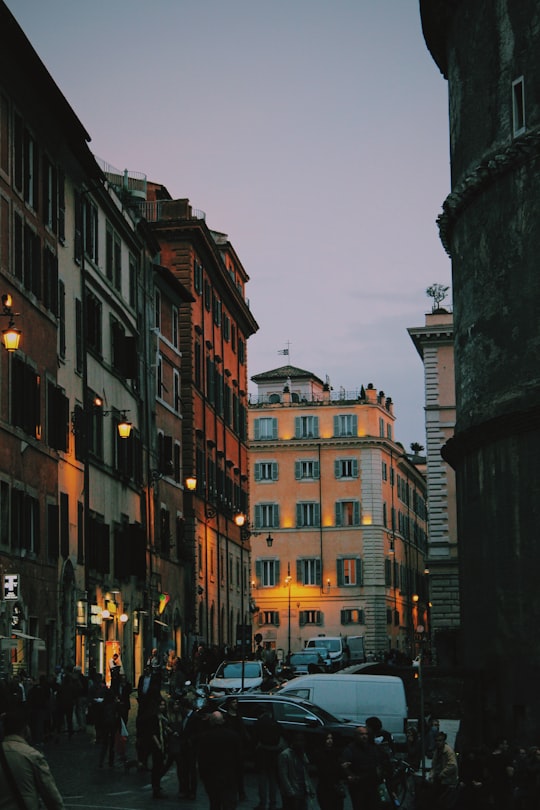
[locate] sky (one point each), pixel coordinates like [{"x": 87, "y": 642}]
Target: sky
[{"x": 313, "y": 132}]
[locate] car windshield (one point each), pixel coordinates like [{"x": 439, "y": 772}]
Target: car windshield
[
  {"x": 234, "y": 670},
  {"x": 331, "y": 644},
  {"x": 302, "y": 658}
]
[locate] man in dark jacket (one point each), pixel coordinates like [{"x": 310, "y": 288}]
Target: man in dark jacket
[
  {"x": 361, "y": 764},
  {"x": 219, "y": 757}
]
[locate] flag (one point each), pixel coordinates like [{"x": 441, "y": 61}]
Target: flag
[{"x": 283, "y": 351}]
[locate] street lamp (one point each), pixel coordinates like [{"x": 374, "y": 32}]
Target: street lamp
[
  {"x": 11, "y": 336},
  {"x": 288, "y": 580}
]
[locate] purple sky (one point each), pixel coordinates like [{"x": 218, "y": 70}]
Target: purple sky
[{"x": 313, "y": 132}]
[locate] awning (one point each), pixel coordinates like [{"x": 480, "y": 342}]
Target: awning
[{"x": 20, "y": 634}]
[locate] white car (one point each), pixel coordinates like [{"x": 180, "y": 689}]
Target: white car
[{"x": 237, "y": 676}]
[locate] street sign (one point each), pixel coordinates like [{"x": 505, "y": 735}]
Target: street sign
[{"x": 11, "y": 586}]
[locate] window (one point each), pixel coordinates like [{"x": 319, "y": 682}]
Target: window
[
  {"x": 306, "y": 469},
  {"x": 346, "y": 424},
  {"x": 381, "y": 427},
  {"x": 308, "y": 514},
  {"x": 25, "y": 531},
  {"x": 174, "y": 327},
  {"x": 308, "y": 571},
  {"x": 226, "y": 327},
  {"x": 346, "y": 468},
  {"x": 57, "y": 418},
  {"x": 25, "y": 398},
  {"x": 269, "y": 617},
  {"x": 93, "y": 323},
  {"x": 90, "y": 229},
  {"x": 310, "y": 617},
  {"x": 385, "y": 515},
  {"x": 216, "y": 309},
  {"x": 389, "y": 431},
  {"x": 306, "y": 427},
  {"x": 349, "y": 571},
  {"x": 176, "y": 391},
  {"x": 157, "y": 309},
  {"x": 267, "y": 516},
  {"x": 132, "y": 281},
  {"x": 267, "y": 573},
  {"x": 352, "y": 616},
  {"x": 384, "y": 471},
  {"x": 266, "y": 471},
  {"x": 241, "y": 350},
  {"x": 518, "y": 106},
  {"x": 113, "y": 258},
  {"x": 347, "y": 513},
  {"x": 4, "y": 513},
  {"x": 265, "y": 428},
  {"x": 49, "y": 194},
  {"x": 197, "y": 277}
]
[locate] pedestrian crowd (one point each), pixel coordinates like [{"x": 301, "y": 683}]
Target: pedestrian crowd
[{"x": 205, "y": 746}]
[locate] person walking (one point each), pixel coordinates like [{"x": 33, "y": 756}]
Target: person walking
[
  {"x": 158, "y": 747},
  {"x": 268, "y": 745},
  {"x": 233, "y": 719},
  {"x": 294, "y": 782},
  {"x": 25, "y": 777},
  {"x": 444, "y": 771},
  {"x": 219, "y": 758},
  {"x": 330, "y": 783},
  {"x": 361, "y": 765}
]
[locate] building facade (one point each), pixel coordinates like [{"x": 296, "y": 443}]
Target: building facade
[
  {"x": 214, "y": 329},
  {"x": 490, "y": 226},
  {"x": 434, "y": 343},
  {"x": 338, "y": 517},
  {"x": 92, "y": 552}
]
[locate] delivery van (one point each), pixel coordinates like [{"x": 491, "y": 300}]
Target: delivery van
[
  {"x": 356, "y": 697},
  {"x": 357, "y": 650},
  {"x": 336, "y": 647}
]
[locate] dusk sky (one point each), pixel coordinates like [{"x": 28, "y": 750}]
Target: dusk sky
[{"x": 313, "y": 132}]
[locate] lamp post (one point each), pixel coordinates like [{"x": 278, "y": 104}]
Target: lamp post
[
  {"x": 11, "y": 336},
  {"x": 288, "y": 579}
]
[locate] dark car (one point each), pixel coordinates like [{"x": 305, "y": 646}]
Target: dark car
[{"x": 294, "y": 714}]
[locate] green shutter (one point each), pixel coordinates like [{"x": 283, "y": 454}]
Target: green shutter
[
  {"x": 337, "y": 468},
  {"x": 355, "y": 424},
  {"x": 359, "y": 571},
  {"x": 298, "y": 470},
  {"x": 274, "y": 471},
  {"x": 339, "y": 565},
  {"x": 257, "y": 471},
  {"x": 355, "y": 467},
  {"x": 257, "y": 428},
  {"x": 299, "y": 514},
  {"x": 336, "y": 426},
  {"x": 300, "y": 572},
  {"x": 318, "y": 571},
  {"x": 274, "y": 429},
  {"x": 338, "y": 513},
  {"x": 297, "y": 427},
  {"x": 317, "y": 515},
  {"x": 356, "y": 519},
  {"x": 315, "y": 427},
  {"x": 316, "y": 469}
]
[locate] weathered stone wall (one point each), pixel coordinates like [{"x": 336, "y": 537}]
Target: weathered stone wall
[{"x": 491, "y": 228}]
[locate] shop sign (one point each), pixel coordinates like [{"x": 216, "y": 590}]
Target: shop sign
[{"x": 11, "y": 586}]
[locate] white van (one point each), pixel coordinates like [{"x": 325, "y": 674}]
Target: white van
[
  {"x": 336, "y": 648},
  {"x": 356, "y": 697}
]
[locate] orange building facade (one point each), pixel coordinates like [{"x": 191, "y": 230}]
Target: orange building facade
[
  {"x": 338, "y": 517},
  {"x": 214, "y": 329}
]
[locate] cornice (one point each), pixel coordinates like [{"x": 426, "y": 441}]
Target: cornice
[{"x": 521, "y": 151}]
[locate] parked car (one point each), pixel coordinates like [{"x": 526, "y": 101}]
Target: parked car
[
  {"x": 294, "y": 714},
  {"x": 316, "y": 659},
  {"x": 238, "y": 676}
]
